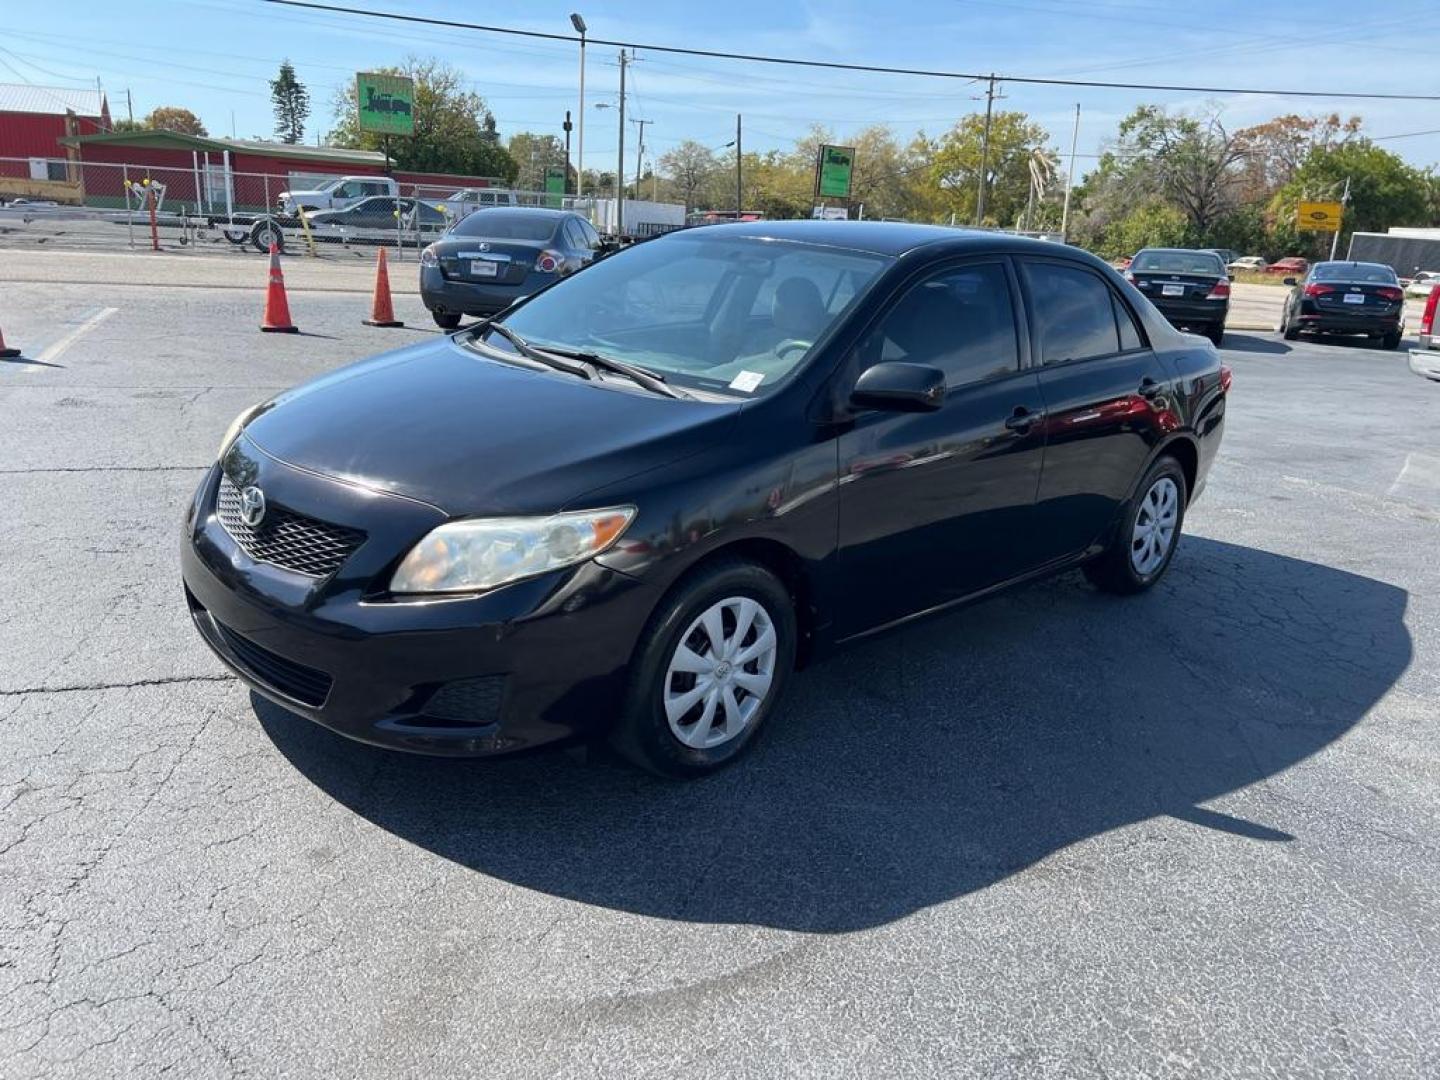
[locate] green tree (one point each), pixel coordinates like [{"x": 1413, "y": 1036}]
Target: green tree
[
  {"x": 691, "y": 171},
  {"x": 1191, "y": 160},
  {"x": 292, "y": 104},
  {"x": 454, "y": 131},
  {"x": 533, "y": 154},
  {"x": 955, "y": 163},
  {"x": 1384, "y": 191},
  {"x": 175, "y": 118}
]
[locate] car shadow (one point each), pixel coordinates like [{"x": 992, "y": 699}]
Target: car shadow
[
  {"x": 1241, "y": 342},
  {"x": 931, "y": 762}
]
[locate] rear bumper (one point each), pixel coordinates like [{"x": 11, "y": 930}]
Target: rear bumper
[
  {"x": 1330, "y": 321},
  {"x": 1193, "y": 312},
  {"x": 439, "y": 293},
  {"x": 526, "y": 664}
]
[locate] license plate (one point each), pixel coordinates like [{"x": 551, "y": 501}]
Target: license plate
[
  {"x": 1354, "y": 298},
  {"x": 1172, "y": 290},
  {"x": 482, "y": 268}
]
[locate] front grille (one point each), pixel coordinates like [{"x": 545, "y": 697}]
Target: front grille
[
  {"x": 305, "y": 684},
  {"x": 286, "y": 539}
]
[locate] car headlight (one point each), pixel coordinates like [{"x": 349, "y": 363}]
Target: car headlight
[
  {"x": 428, "y": 257},
  {"x": 238, "y": 425},
  {"x": 483, "y": 553}
]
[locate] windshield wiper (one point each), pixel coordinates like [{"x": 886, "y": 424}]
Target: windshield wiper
[
  {"x": 650, "y": 380},
  {"x": 530, "y": 352}
]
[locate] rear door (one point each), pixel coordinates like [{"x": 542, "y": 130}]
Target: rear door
[
  {"x": 936, "y": 506},
  {"x": 1106, "y": 400}
]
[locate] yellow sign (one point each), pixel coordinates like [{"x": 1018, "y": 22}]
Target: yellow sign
[{"x": 1318, "y": 217}]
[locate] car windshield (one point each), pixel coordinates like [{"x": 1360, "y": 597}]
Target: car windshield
[
  {"x": 507, "y": 225},
  {"x": 1178, "y": 262},
  {"x": 706, "y": 311},
  {"x": 1368, "y": 273}
]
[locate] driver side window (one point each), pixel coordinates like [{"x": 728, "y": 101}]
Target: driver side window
[{"x": 961, "y": 321}]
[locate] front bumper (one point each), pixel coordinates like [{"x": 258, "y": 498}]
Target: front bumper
[
  {"x": 439, "y": 293},
  {"x": 526, "y": 664}
]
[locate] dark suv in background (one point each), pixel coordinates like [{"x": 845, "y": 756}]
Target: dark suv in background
[{"x": 1191, "y": 288}]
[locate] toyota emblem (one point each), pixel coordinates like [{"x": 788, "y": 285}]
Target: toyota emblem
[{"x": 252, "y": 506}]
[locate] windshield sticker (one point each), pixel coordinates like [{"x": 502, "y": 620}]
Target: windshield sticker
[{"x": 747, "y": 381}]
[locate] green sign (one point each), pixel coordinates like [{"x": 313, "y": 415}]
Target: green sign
[
  {"x": 554, "y": 185},
  {"x": 387, "y": 103},
  {"x": 832, "y": 173}
]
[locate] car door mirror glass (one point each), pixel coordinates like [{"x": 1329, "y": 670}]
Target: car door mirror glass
[
  {"x": 1291, "y": 281},
  {"x": 895, "y": 386}
]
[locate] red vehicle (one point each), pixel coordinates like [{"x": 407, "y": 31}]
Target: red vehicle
[{"x": 1292, "y": 266}]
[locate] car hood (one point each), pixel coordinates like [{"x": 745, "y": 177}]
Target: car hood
[{"x": 447, "y": 425}]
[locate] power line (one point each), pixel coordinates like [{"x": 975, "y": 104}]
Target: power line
[{"x": 837, "y": 66}]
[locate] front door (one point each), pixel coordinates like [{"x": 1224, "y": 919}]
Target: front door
[
  {"x": 1106, "y": 401},
  {"x": 935, "y": 506}
]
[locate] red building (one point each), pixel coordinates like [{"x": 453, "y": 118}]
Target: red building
[{"x": 33, "y": 120}]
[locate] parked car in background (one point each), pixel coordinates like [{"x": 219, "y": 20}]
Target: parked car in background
[
  {"x": 1290, "y": 265},
  {"x": 1191, "y": 288},
  {"x": 466, "y": 201},
  {"x": 379, "y": 213},
  {"x": 633, "y": 503},
  {"x": 1227, "y": 255},
  {"x": 497, "y": 255},
  {"x": 1346, "y": 298},
  {"x": 1249, "y": 264},
  {"x": 1426, "y": 359},
  {"x": 1422, "y": 284},
  {"x": 337, "y": 194}
]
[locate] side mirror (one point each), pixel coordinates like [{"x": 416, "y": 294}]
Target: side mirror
[
  {"x": 1291, "y": 281},
  {"x": 608, "y": 247},
  {"x": 899, "y": 387}
]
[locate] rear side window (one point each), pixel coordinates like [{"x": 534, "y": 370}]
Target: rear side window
[
  {"x": 573, "y": 236},
  {"x": 1129, "y": 332},
  {"x": 1074, "y": 313},
  {"x": 961, "y": 321}
]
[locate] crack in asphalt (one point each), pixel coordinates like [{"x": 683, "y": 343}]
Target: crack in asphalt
[
  {"x": 170, "y": 680},
  {"x": 106, "y": 469}
]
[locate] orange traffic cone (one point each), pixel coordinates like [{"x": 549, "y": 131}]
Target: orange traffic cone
[
  {"x": 382, "y": 311},
  {"x": 277, "y": 309},
  {"x": 3, "y": 350}
]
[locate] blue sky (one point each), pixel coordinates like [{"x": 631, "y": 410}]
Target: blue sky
[{"x": 214, "y": 56}]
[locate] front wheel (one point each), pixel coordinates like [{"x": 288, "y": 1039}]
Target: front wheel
[
  {"x": 708, "y": 671},
  {"x": 1145, "y": 542},
  {"x": 1289, "y": 332}
]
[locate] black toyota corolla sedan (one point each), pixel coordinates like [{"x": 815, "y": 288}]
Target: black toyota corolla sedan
[
  {"x": 1346, "y": 298},
  {"x": 497, "y": 255},
  {"x": 634, "y": 504},
  {"x": 1191, "y": 288}
]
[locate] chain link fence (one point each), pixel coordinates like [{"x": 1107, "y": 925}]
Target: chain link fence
[{"x": 103, "y": 206}]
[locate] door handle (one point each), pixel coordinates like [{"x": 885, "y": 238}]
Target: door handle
[
  {"x": 1022, "y": 419},
  {"x": 1150, "y": 389}
]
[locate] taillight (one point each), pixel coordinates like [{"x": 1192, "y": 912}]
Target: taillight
[
  {"x": 1319, "y": 290},
  {"x": 548, "y": 262},
  {"x": 1221, "y": 291},
  {"x": 1389, "y": 292},
  {"x": 1129, "y": 277},
  {"x": 1427, "y": 321},
  {"x": 1226, "y": 378},
  {"x": 428, "y": 257}
]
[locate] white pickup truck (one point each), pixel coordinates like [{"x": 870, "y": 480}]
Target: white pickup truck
[{"x": 338, "y": 193}]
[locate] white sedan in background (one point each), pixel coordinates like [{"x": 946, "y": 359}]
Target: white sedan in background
[
  {"x": 1422, "y": 283},
  {"x": 1251, "y": 263}
]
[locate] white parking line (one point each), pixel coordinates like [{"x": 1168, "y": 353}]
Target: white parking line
[{"x": 57, "y": 349}]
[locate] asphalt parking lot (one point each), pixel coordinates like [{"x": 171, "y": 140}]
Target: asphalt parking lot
[{"x": 1054, "y": 835}]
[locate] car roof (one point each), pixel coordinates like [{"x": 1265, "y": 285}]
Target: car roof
[
  {"x": 1351, "y": 262},
  {"x": 1177, "y": 251},
  {"x": 879, "y": 237},
  {"x": 528, "y": 211}
]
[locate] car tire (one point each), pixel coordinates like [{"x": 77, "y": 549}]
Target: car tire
[
  {"x": 1288, "y": 331},
  {"x": 446, "y": 320},
  {"x": 1217, "y": 334},
  {"x": 1390, "y": 341},
  {"x": 671, "y": 724},
  {"x": 1154, "y": 518}
]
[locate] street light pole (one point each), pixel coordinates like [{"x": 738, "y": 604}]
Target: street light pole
[
  {"x": 620, "y": 157},
  {"x": 579, "y": 23},
  {"x": 739, "y": 176}
]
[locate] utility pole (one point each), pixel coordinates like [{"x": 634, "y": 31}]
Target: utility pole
[
  {"x": 1070, "y": 180},
  {"x": 129, "y": 105},
  {"x": 568, "y": 126},
  {"x": 1344, "y": 201},
  {"x": 639, "y": 152},
  {"x": 985, "y": 151},
  {"x": 620, "y": 160},
  {"x": 739, "y": 174}
]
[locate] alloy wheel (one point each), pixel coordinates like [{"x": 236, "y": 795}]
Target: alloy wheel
[
  {"x": 720, "y": 672},
  {"x": 1154, "y": 530}
]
